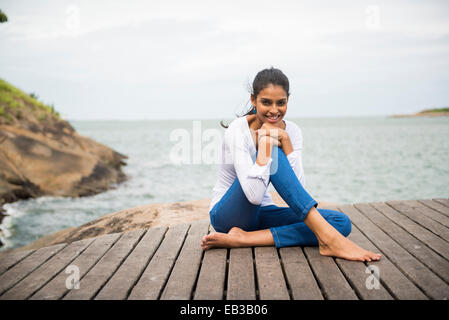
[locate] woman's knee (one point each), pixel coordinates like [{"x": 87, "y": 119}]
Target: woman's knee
[
  {"x": 223, "y": 223},
  {"x": 345, "y": 224},
  {"x": 338, "y": 220}
]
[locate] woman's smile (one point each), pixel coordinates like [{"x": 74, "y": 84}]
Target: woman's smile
[{"x": 273, "y": 119}]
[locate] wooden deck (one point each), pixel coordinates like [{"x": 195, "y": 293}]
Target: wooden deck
[{"x": 168, "y": 263}]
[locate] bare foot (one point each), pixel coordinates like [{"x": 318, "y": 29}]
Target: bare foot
[
  {"x": 339, "y": 246},
  {"x": 233, "y": 239}
]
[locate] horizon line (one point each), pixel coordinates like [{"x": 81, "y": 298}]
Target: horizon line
[{"x": 225, "y": 118}]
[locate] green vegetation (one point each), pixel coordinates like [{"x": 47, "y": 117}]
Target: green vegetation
[
  {"x": 436, "y": 110},
  {"x": 3, "y": 17},
  {"x": 33, "y": 95},
  {"x": 13, "y": 101}
]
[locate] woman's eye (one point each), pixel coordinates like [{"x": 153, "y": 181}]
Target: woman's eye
[
  {"x": 281, "y": 103},
  {"x": 266, "y": 102}
]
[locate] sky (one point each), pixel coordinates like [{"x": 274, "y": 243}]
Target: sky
[{"x": 192, "y": 59}]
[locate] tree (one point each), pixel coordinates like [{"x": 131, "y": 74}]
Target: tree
[{"x": 3, "y": 17}]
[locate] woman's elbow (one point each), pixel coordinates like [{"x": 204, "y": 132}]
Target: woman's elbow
[{"x": 254, "y": 198}]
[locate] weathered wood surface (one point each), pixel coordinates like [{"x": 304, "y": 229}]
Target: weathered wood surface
[{"x": 168, "y": 263}]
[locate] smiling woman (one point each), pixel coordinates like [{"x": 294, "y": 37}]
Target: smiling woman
[{"x": 241, "y": 210}]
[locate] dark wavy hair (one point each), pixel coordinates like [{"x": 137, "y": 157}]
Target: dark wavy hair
[{"x": 262, "y": 80}]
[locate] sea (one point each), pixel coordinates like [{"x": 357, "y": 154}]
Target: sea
[{"x": 345, "y": 159}]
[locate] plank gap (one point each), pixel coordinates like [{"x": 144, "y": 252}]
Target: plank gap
[
  {"x": 57, "y": 273},
  {"x": 392, "y": 260},
  {"x": 225, "y": 287},
  {"x": 320, "y": 286},
  {"x": 284, "y": 274},
  {"x": 146, "y": 265},
  {"x": 118, "y": 267},
  {"x": 173, "y": 264},
  {"x": 192, "y": 293},
  {"x": 426, "y": 244},
  {"x": 423, "y": 216},
  {"x": 256, "y": 285},
  {"x": 93, "y": 265}
]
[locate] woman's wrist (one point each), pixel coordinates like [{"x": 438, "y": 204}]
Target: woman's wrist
[
  {"x": 265, "y": 146},
  {"x": 286, "y": 145}
]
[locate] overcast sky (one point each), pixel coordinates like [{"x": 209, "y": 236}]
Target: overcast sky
[{"x": 194, "y": 59}]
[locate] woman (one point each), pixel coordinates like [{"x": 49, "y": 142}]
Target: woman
[{"x": 260, "y": 148}]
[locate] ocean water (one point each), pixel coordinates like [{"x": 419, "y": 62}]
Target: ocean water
[{"x": 346, "y": 160}]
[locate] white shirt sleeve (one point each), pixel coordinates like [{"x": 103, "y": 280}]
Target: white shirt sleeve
[
  {"x": 253, "y": 178},
  {"x": 295, "y": 157}
]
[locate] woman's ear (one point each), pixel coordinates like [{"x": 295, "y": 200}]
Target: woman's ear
[{"x": 253, "y": 101}]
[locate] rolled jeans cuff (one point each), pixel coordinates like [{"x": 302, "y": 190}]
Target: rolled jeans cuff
[
  {"x": 307, "y": 208},
  {"x": 277, "y": 242}
]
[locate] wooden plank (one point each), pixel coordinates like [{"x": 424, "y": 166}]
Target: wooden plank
[
  {"x": 104, "y": 269},
  {"x": 184, "y": 274},
  {"x": 211, "y": 280},
  {"x": 8, "y": 260},
  {"x": 153, "y": 279},
  {"x": 423, "y": 220},
  {"x": 40, "y": 276},
  {"x": 57, "y": 287},
  {"x": 444, "y": 202},
  {"x": 241, "y": 284},
  {"x": 424, "y": 278},
  {"x": 415, "y": 239},
  {"x": 269, "y": 275},
  {"x": 329, "y": 276},
  {"x": 118, "y": 287},
  {"x": 440, "y": 205},
  {"x": 27, "y": 265},
  {"x": 390, "y": 276},
  {"x": 298, "y": 274},
  {"x": 356, "y": 273},
  {"x": 425, "y": 208}
]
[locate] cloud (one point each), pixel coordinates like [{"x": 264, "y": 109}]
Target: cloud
[{"x": 197, "y": 58}]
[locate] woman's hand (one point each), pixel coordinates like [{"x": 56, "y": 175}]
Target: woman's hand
[
  {"x": 275, "y": 133},
  {"x": 272, "y": 131}
]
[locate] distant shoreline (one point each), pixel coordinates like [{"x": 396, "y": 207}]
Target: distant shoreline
[{"x": 441, "y": 112}]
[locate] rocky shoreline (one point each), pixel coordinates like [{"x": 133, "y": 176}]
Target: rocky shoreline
[{"x": 42, "y": 154}]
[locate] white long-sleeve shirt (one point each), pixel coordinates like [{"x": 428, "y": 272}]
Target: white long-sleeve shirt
[{"x": 238, "y": 159}]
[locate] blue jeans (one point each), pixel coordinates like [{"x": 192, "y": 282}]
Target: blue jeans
[{"x": 285, "y": 223}]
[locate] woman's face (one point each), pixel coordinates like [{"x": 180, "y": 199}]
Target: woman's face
[{"x": 271, "y": 104}]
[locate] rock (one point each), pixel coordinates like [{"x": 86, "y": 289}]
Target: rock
[
  {"x": 141, "y": 217},
  {"x": 32, "y": 165},
  {"x": 41, "y": 154}
]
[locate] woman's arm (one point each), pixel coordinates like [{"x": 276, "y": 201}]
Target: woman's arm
[
  {"x": 290, "y": 144},
  {"x": 277, "y": 133},
  {"x": 253, "y": 176}
]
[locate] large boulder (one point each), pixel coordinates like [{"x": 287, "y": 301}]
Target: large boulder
[{"x": 41, "y": 154}]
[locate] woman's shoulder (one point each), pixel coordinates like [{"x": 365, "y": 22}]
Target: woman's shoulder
[
  {"x": 236, "y": 128},
  {"x": 237, "y": 124}
]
